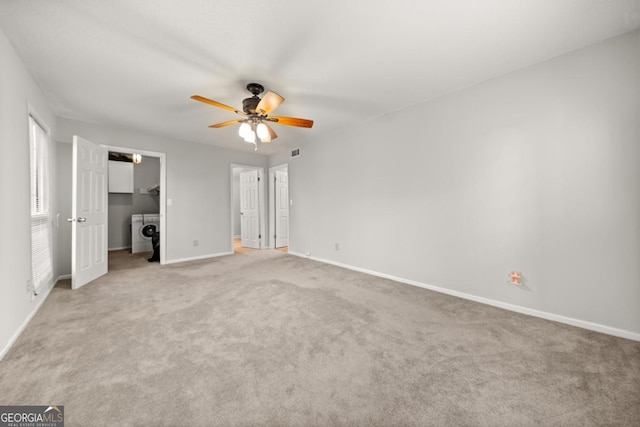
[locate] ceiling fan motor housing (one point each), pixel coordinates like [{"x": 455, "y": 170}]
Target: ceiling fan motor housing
[{"x": 249, "y": 104}]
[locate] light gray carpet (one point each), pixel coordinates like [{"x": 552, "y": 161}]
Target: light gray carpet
[{"x": 266, "y": 338}]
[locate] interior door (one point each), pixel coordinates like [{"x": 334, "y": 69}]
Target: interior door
[
  {"x": 89, "y": 259},
  {"x": 282, "y": 208},
  {"x": 249, "y": 210}
]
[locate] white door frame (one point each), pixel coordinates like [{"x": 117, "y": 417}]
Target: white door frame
[
  {"x": 272, "y": 204},
  {"x": 163, "y": 191},
  {"x": 261, "y": 208}
]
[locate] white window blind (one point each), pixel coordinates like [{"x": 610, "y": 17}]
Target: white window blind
[{"x": 41, "y": 241}]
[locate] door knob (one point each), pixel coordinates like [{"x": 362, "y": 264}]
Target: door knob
[
  {"x": 80, "y": 219},
  {"x": 70, "y": 219}
]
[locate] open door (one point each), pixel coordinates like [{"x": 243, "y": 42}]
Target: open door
[
  {"x": 281, "y": 191},
  {"x": 89, "y": 257},
  {"x": 249, "y": 210}
]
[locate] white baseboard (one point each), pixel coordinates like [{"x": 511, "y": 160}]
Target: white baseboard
[
  {"x": 175, "y": 261},
  {"x": 120, "y": 248},
  {"x": 512, "y": 307},
  {"x": 44, "y": 294}
]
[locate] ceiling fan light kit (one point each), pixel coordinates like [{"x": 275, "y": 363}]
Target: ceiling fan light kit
[
  {"x": 256, "y": 115},
  {"x": 263, "y": 132}
]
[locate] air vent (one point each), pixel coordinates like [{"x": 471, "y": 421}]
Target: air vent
[{"x": 295, "y": 152}]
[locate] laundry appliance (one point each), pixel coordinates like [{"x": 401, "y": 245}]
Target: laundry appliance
[{"x": 143, "y": 227}]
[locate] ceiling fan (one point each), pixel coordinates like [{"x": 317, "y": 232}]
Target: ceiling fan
[{"x": 256, "y": 118}]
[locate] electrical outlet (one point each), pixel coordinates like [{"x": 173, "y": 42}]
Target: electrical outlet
[
  {"x": 337, "y": 247},
  {"x": 196, "y": 242}
]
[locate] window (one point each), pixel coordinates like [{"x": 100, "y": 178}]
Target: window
[{"x": 41, "y": 263}]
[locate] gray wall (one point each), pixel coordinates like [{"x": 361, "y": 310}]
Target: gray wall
[
  {"x": 535, "y": 171},
  {"x": 18, "y": 89},
  {"x": 64, "y": 161},
  {"x": 122, "y": 206}
]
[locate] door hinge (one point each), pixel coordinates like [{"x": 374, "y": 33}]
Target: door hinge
[
  {"x": 259, "y": 236},
  {"x": 258, "y": 179}
]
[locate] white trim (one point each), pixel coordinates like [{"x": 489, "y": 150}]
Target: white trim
[
  {"x": 38, "y": 118},
  {"x": 120, "y": 248},
  {"x": 622, "y": 333},
  {"x": 44, "y": 293},
  {"x": 271, "y": 241},
  {"x": 196, "y": 258}
]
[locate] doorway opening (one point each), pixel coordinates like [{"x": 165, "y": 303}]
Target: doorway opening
[
  {"x": 279, "y": 207},
  {"x": 147, "y": 200},
  {"x": 247, "y": 208}
]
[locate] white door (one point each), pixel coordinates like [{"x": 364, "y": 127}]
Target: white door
[
  {"x": 282, "y": 208},
  {"x": 249, "y": 210},
  {"x": 89, "y": 212}
]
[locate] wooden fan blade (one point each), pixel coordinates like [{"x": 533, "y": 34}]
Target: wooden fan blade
[
  {"x": 216, "y": 104},
  {"x": 292, "y": 121},
  {"x": 268, "y": 103},
  {"x": 229, "y": 123}
]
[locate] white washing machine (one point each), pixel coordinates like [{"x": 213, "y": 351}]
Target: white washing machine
[{"x": 142, "y": 228}]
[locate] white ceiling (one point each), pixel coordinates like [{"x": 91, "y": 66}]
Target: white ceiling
[{"x": 135, "y": 63}]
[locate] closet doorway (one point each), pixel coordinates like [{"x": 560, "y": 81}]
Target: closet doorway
[
  {"x": 248, "y": 228},
  {"x": 147, "y": 196}
]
